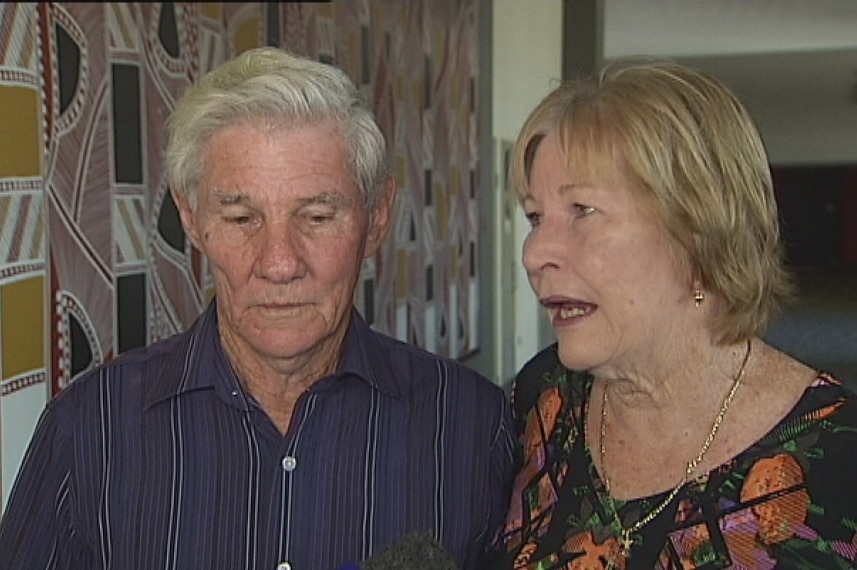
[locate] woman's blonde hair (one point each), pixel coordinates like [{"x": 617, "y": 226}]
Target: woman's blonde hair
[{"x": 686, "y": 142}]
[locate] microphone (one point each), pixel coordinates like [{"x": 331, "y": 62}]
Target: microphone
[{"x": 416, "y": 551}]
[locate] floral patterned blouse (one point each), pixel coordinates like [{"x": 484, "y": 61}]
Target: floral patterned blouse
[{"x": 789, "y": 501}]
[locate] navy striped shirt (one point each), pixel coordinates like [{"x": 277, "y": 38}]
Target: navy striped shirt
[{"x": 160, "y": 460}]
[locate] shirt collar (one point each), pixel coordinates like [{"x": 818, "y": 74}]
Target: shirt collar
[
  {"x": 366, "y": 357},
  {"x": 197, "y": 361}
]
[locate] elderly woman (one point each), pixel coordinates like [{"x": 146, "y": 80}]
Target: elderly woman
[{"x": 660, "y": 431}]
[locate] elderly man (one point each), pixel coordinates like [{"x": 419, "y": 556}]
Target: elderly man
[{"x": 279, "y": 431}]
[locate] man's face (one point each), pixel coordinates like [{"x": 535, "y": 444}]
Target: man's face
[{"x": 282, "y": 221}]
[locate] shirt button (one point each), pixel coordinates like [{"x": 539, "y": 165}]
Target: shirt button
[
  {"x": 289, "y": 464},
  {"x": 284, "y": 566}
]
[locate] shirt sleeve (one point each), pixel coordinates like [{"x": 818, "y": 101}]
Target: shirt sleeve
[
  {"x": 505, "y": 462},
  {"x": 37, "y": 529}
]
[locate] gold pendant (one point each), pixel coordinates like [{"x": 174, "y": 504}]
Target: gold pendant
[
  {"x": 622, "y": 553},
  {"x": 614, "y": 564},
  {"x": 625, "y": 543}
]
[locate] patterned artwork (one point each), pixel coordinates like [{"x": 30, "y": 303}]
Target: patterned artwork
[{"x": 93, "y": 260}]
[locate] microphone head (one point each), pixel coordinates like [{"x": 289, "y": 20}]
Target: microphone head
[{"x": 416, "y": 551}]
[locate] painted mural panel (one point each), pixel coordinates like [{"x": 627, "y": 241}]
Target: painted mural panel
[
  {"x": 93, "y": 261},
  {"x": 23, "y": 235}
]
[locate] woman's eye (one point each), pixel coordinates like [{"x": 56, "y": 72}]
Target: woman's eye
[
  {"x": 581, "y": 211},
  {"x": 534, "y": 218}
]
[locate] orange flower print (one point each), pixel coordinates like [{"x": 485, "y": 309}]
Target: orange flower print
[
  {"x": 524, "y": 556},
  {"x": 540, "y": 425},
  {"x": 595, "y": 556},
  {"x": 779, "y": 517},
  {"x": 825, "y": 412}
]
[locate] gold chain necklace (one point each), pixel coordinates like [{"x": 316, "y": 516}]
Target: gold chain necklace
[{"x": 626, "y": 538}]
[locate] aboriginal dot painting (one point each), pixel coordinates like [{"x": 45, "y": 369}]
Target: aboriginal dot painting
[{"x": 93, "y": 260}]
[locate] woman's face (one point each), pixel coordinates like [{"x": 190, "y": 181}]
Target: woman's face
[{"x": 601, "y": 263}]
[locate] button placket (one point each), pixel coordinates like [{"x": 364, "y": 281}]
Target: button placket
[{"x": 289, "y": 463}]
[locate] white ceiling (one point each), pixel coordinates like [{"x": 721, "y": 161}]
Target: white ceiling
[
  {"x": 793, "y": 62},
  {"x": 721, "y": 27}
]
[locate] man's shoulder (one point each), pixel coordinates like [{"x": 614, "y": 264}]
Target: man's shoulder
[
  {"x": 155, "y": 354},
  {"x": 125, "y": 369}
]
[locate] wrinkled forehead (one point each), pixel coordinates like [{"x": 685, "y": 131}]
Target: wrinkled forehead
[
  {"x": 597, "y": 158},
  {"x": 589, "y": 156}
]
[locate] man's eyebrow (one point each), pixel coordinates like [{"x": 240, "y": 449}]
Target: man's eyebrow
[
  {"x": 230, "y": 199},
  {"x": 332, "y": 198}
]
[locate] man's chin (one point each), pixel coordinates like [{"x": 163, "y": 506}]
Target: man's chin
[
  {"x": 283, "y": 334},
  {"x": 285, "y": 346}
]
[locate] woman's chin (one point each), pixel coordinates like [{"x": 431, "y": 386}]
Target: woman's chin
[{"x": 575, "y": 358}]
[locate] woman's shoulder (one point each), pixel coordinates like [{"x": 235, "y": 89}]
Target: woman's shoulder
[
  {"x": 533, "y": 377},
  {"x": 820, "y": 434},
  {"x": 795, "y": 397},
  {"x": 827, "y": 398},
  {"x": 812, "y": 450},
  {"x": 545, "y": 373}
]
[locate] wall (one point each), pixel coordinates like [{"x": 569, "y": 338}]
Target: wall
[{"x": 527, "y": 63}]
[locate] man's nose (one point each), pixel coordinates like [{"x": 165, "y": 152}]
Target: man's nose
[{"x": 280, "y": 254}]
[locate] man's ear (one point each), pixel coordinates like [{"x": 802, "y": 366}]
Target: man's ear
[
  {"x": 381, "y": 217},
  {"x": 188, "y": 219}
]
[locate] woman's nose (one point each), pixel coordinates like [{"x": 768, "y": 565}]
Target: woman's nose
[{"x": 540, "y": 250}]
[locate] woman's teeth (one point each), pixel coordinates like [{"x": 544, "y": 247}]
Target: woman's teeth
[{"x": 570, "y": 312}]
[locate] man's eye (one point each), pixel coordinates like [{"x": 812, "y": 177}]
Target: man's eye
[
  {"x": 581, "y": 211},
  {"x": 238, "y": 220},
  {"x": 319, "y": 218},
  {"x": 534, "y": 218}
]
